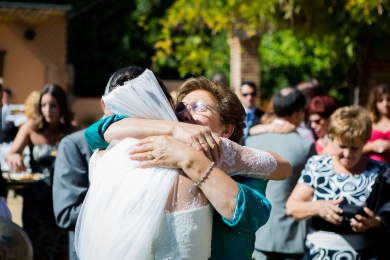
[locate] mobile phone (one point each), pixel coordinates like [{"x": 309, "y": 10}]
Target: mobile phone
[{"x": 350, "y": 210}]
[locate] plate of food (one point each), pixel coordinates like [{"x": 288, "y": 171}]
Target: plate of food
[{"x": 22, "y": 177}]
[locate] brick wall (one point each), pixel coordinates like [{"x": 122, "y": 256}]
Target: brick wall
[
  {"x": 244, "y": 62},
  {"x": 374, "y": 70}
]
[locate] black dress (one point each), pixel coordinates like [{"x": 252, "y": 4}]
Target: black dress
[{"x": 38, "y": 215}]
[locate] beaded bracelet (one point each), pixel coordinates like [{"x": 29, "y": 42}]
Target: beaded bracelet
[{"x": 205, "y": 175}]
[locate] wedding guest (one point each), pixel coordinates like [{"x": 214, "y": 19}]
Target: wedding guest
[
  {"x": 330, "y": 184},
  {"x": 378, "y": 146},
  {"x": 282, "y": 237},
  {"x": 42, "y": 135},
  {"x": 320, "y": 109},
  {"x": 4, "y": 210},
  {"x": 9, "y": 130},
  {"x": 248, "y": 96}
]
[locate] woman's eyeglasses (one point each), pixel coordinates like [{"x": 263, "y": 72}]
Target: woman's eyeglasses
[{"x": 197, "y": 106}]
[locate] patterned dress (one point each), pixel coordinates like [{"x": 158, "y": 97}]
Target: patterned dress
[
  {"x": 327, "y": 241},
  {"x": 38, "y": 215}
]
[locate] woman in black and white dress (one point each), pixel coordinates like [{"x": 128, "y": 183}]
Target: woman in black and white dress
[{"x": 329, "y": 182}]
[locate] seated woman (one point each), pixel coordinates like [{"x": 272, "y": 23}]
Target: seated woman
[
  {"x": 207, "y": 113},
  {"x": 329, "y": 183},
  {"x": 320, "y": 109},
  {"x": 378, "y": 147}
]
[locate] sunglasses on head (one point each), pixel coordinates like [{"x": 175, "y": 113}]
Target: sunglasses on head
[
  {"x": 250, "y": 94},
  {"x": 197, "y": 106}
]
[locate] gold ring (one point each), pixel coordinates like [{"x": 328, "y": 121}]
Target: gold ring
[
  {"x": 202, "y": 142},
  {"x": 327, "y": 216},
  {"x": 150, "y": 157}
]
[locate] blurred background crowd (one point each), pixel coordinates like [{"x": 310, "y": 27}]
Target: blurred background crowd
[{"x": 313, "y": 78}]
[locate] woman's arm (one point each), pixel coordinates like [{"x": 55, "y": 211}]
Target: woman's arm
[
  {"x": 274, "y": 127},
  {"x": 300, "y": 207},
  {"x": 253, "y": 163},
  {"x": 166, "y": 151},
  {"x": 104, "y": 131},
  {"x": 14, "y": 159},
  {"x": 377, "y": 146}
]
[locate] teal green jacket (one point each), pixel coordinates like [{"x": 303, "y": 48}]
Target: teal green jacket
[{"x": 231, "y": 239}]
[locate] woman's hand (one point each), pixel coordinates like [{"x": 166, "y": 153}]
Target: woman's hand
[
  {"x": 15, "y": 161},
  {"x": 329, "y": 211},
  {"x": 284, "y": 128},
  {"x": 377, "y": 146},
  {"x": 161, "y": 151},
  {"x": 200, "y": 138},
  {"x": 361, "y": 224}
]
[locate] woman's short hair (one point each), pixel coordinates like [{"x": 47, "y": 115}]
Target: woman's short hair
[
  {"x": 324, "y": 106},
  {"x": 351, "y": 125},
  {"x": 228, "y": 105},
  {"x": 131, "y": 72},
  {"x": 375, "y": 95},
  {"x": 66, "y": 115}
]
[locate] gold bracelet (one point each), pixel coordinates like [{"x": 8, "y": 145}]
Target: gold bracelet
[{"x": 205, "y": 175}]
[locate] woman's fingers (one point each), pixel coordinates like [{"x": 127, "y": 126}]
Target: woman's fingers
[
  {"x": 213, "y": 149},
  {"x": 142, "y": 148}
]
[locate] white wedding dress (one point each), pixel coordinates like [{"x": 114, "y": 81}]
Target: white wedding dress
[{"x": 154, "y": 213}]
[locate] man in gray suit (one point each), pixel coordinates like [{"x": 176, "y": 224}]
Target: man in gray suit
[
  {"x": 282, "y": 237},
  {"x": 70, "y": 183}
]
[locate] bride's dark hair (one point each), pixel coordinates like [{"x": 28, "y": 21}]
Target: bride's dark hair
[{"x": 129, "y": 73}]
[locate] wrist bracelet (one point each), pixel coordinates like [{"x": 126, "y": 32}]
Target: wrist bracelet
[
  {"x": 205, "y": 175},
  {"x": 14, "y": 155}
]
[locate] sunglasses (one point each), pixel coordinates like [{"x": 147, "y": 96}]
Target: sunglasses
[
  {"x": 315, "y": 121},
  {"x": 197, "y": 106},
  {"x": 250, "y": 94}
]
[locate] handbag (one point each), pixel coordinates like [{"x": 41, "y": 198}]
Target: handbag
[{"x": 380, "y": 193}]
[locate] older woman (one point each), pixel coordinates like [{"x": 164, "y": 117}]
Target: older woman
[
  {"x": 319, "y": 110},
  {"x": 330, "y": 184},
  {"x": 378, "y": 147},
  {"x": 209, "y": 104}
]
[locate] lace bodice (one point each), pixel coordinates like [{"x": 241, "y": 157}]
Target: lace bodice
[{"x": 245, "y": 161}]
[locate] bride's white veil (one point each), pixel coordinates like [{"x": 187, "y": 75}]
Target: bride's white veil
[{"x": 124, "y": 204}]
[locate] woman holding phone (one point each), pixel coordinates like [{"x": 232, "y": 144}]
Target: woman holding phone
[{"x": 331, "y": 186}]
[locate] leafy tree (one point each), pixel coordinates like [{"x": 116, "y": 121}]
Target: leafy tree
[{"x": 340, "y": 28}]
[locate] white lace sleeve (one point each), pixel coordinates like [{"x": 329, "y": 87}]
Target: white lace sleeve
[
  {"x": 245, "y": 161},
  {"x": 93, "y": 161}
]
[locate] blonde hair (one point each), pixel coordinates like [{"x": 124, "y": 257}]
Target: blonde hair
[
  {"x": 31, "y": 104},
  {"x": 351, "y": 125}
]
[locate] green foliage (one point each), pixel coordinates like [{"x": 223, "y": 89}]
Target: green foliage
[
  {"x": 331, "y": 36},
  {"x": 287, "y": 60}
]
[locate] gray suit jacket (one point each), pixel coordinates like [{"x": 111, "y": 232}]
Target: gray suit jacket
[
  {"x": 282, "y": 234},
  {"x": 70, "y": 183}
]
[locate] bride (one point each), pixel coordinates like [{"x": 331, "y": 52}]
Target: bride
[{"x": 123, "y": 215}]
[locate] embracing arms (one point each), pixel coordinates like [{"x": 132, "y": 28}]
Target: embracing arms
[
  {"x": 221, "y": 190},
  {"x": 194, "y": 136}
]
